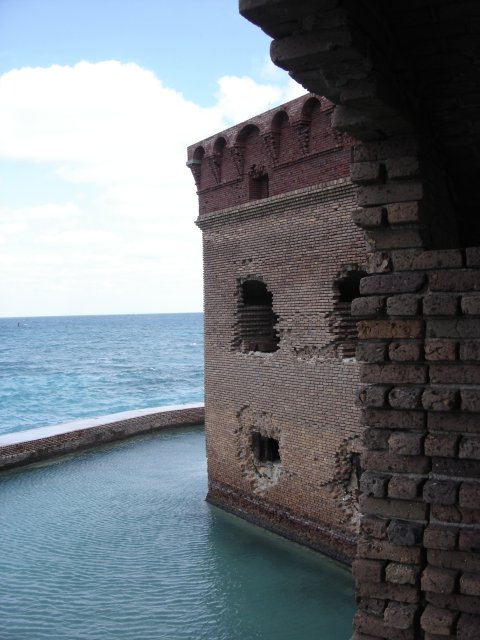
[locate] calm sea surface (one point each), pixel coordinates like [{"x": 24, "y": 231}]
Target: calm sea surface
[
  {"x": 118, "y": 544},
  {"x": 53, "y": 370}
]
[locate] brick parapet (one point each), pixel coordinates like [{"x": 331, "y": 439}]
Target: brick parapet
[
  {"x": 78, "y": 439},
  {"x": 419, "y": 331},
  {"x": 287, "y": 148}
]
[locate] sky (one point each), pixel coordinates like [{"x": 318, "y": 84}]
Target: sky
[{"x": 98, "y": 101}]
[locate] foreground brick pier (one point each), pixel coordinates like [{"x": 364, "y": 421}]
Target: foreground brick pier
[{"x": 405, "y": 76}]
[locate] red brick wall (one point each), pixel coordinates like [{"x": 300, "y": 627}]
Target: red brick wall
[{"x": 294, "y": 144}]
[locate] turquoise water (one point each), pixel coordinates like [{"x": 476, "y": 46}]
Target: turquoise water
[
  {"x": 54, "y": 370},
  {"x": 118, "y": 543}
]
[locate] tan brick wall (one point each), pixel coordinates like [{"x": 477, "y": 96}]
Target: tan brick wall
[{"x": 303, "y": 393}]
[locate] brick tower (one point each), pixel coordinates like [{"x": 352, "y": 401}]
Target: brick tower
[{"x": 282, "y": 262}]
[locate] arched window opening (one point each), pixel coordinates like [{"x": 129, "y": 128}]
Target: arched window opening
[
  {"x": 309, "y": 106},
  {"x": 217, "y": 158},
  {"x": 255, "y": 328},
  {"x": 195, "y": 165},
  {"x": 343, "y": 326}
]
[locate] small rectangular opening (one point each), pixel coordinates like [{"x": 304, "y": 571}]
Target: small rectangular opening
[
  {"x": 265, "y": 449},
  {"x": 258, "y": 187}
]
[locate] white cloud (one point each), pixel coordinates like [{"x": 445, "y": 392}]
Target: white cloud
[
  {"x": 114, "y": 127},
  {"x": 242, "y": 98}
]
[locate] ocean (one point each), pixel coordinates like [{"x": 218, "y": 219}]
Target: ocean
[
  {"x": 118, "y": 543},
  {"x": 57, "y": 369}
]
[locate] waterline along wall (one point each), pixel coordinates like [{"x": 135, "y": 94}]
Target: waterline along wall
[
  {"x": 283, "y": 434},
  {"x": 34, "y": 445}
]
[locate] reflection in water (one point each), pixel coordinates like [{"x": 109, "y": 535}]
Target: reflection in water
[{"x": 119, "y": 544}]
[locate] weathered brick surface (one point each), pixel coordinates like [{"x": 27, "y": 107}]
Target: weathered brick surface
[
  {"x": 404, "y": 351},
  {"x": 392, "y": 283},
  {"x": 469, "y": 350},
  {"x": 438, "y": 536},
  {"x": 440, "y": 491},
  {"x": 470, "y": 584},
  {"x": 440, "y": 304},
  {"x": 439, "y": 580},
  {"x": 373, "y": 626},
  {"x": 366, "y": 172},
  {"x": 253, "y": 235},
  {"x": 405, "y": 397},
  {"x": 399, "y": 615},
  {"x": 461, "y": 280},
  {"x": 469, "y": 495},
  {"x": 404, "y": 487},
  {"x": 470, "y": 400},
  {"x": 417, "y": 259},
  {"x": 373, "y": 526},
  {"x": 406, "y": 533},
  {"x": 393, "y": 373},
  {"x": 400, "y": 238},
  {"x": 369, "y": 218},
  {"x": 453, "y": 328},
  {"x": 402, "y": 573},
  {"x": 374, "y": 484},
  {"x": 389, "y": 329},
  {"x": 435, "y": 376},
  {"x": 455, "y": 374},
  {"x": 440, "y": 350},
  {"x": 472, "y": 256},
  {"x": 368, "y": 570},
  {"x": 403, "y": 305},
  {"x": 381, "y": 194},
  {"x": 394, "y": 419},
  {"x": 470, "y": 447},
  {"x": 406, "y": 444},
  {"x": 371, "y": 306},
  {"x": 404, "y": 509},
  {"x": 440, "y": 399},
  {"x": 440, "y": 444},
  {"x": 404, "y": 213},
  {"x": 468, "y": 626},
  {"x": 471, "y": 304},
  {"x": 438, "y": 621},
  {"x": 376, "y": 439},
  {"x": 371, "y": 352}
]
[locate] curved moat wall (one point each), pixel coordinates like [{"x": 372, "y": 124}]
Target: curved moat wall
[{"x": 34, "y": 445}]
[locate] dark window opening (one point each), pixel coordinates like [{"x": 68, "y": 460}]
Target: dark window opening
[
  {"x": 343, "y": 325},
  {"x": 256, "y": 293},
  {"x": 349, "y": 287},
  {"x": 256, "y": 319},
  {"x": 258, "y": 187},
  {"x": 265, "y": 449},
  {"x": 357, "y": 470}
]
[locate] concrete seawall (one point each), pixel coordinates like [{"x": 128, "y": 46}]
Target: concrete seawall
[{"x": 24, "y": 447}]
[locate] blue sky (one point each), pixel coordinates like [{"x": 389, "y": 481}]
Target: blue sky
[{"x": 98, "y": 101}]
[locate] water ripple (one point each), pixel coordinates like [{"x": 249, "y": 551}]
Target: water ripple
[{"x": 119, "y": 544}]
